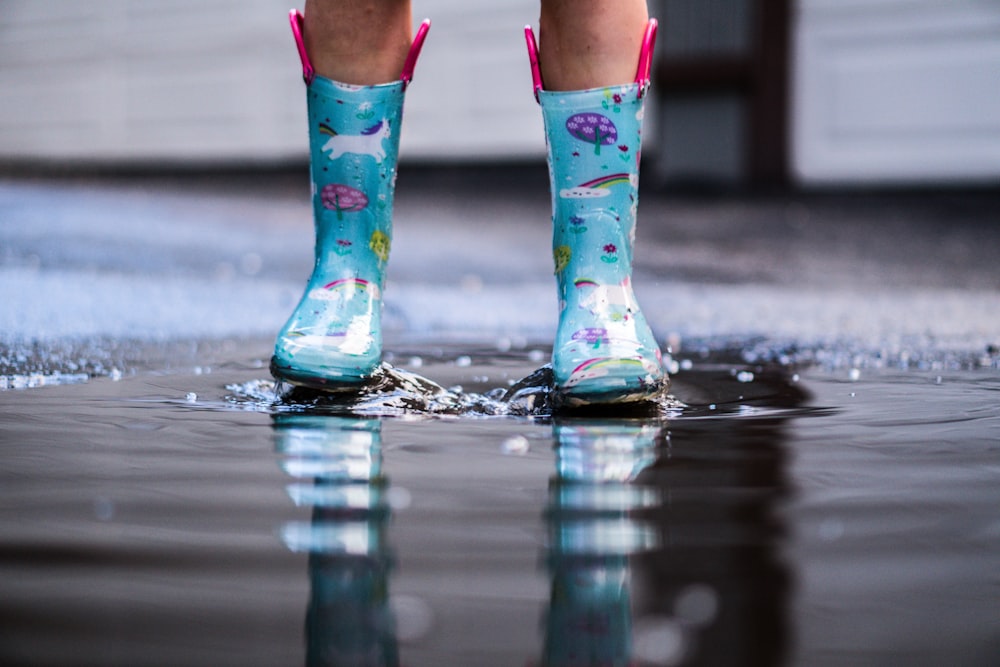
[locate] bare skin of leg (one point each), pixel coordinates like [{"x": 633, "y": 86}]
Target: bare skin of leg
[
  {"x": 363, "y": 42},
  {"x": 584, "y": 43},
  {"x": 590, "y": 43}
]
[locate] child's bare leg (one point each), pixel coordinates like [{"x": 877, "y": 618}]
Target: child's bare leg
[
  {"x": 590, "y": 43},
  {"x": 363, "y": 42}
]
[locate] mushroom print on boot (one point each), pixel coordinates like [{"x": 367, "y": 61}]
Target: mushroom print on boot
[
  {"x": 604, "y": 350},
  {"x": 333, "y": 339}
]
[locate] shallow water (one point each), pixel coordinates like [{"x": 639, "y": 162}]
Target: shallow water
[{"x": 767, "y": 515}]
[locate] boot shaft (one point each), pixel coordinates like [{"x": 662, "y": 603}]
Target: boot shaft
[
  {"x": 594, "y": 143},
  {"x": 353, "y": 147}
]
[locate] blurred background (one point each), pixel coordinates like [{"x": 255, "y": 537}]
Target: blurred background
[{"x": 749, "y": 93}]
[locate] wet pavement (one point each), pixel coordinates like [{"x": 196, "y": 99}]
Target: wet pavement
[
  {"x": 821, "y": 489},
  {"x": 220, "y": 257}
]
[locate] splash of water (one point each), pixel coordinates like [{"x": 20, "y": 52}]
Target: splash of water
[{"x": 393, "y": 392}]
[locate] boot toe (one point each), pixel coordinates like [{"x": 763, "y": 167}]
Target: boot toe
[
  {"x": 610, "y": 380},
  {"x": 321, "y": 362}
]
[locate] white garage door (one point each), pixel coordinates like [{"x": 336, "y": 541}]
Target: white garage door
[
  {"x": 218, "y": 81},
  {"x": 897, "y": 91}
]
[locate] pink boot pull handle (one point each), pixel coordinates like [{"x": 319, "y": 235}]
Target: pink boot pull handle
[
  {"x": 295, "y": 18},
  {"x": 411, "y": 57},
  {"x": 641, "y": 74},
  {"x": 536, "y": 68},
  {"x": 646, "y": 57},
  {"x": 308, "y": 73}
]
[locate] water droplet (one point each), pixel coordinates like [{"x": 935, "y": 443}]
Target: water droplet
[
  {"x": 399, "y": 498},
  {"x": 191, "y": 397},
  {"x": 463, "y": 361},
  {"x": 855, "y": 374},
  {"x": 744, "y": 376},
  {"x": 659, "y": 640},
  {"x": 414, "y": 617},
  {"x": 517, "y": 445},
  {"x": 698, "y": 604}
]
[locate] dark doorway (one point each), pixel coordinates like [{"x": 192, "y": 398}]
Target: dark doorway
[{"x": 721, "y": 82}]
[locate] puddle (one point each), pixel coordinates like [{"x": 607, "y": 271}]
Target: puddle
[{"x": 767, "y": 514}]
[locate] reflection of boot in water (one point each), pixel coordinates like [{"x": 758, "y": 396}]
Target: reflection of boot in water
[
  {"x": 334, "y": 336},
  {"x": 348, "y": 621},
  {"x": 591, "y": 535}
]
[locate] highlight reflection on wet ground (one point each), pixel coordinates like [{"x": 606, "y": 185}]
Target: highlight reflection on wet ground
[{"x": 768, "y": 515}]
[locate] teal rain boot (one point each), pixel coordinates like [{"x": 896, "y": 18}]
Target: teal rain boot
[
  {"x": 333, "y": 339},
  {"x": 604, "y": 351}
]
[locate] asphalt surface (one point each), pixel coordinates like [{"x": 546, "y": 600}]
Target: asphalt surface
[{"x": 216, "y": 256}]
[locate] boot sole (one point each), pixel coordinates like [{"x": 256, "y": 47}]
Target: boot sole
[
  {"x": 317, "y": 382},
  {"x": 638, "y": 397}
]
